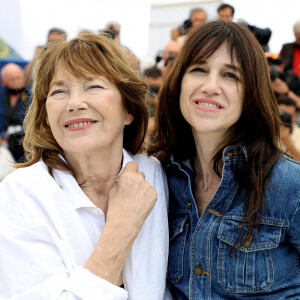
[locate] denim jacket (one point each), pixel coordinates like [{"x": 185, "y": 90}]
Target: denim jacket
[{"x": 202, "y": 264}]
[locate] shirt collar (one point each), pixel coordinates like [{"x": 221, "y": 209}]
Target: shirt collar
[{"x": 68, "y": 183}]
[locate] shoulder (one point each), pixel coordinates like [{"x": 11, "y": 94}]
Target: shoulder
[
  {"x": 146, "y": 164},
  {"x": 27, "y": 176},
  {"x": 27, "y": 195},
  {"x": 145, "y": 161},
  {"x": 284, "y": 181},
  {"x": 287, "y": 46},
  {"x": 287, "y": 169},
  {"x": 152, "y": 169}
]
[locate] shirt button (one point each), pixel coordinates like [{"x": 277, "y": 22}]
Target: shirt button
[{"x": 199, "y": 271}]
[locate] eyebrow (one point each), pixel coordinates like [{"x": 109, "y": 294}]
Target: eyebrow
[
  {"x": 233, "y": 67},
  {"x": 57, "y": 82}
]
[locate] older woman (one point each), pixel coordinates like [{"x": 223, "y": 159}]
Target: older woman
[
  {"x": 234, "y": 209},
  {"x": 84, "y": 214}
]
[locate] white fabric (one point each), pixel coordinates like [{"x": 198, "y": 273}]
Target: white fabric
[
  {"x": 49, "y": 228},
  {"x": 6, "y": 160}
]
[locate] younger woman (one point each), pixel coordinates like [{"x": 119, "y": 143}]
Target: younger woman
[{"x": 234, "y": 214}]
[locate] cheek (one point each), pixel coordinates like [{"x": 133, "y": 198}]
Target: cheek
[{"x": 53, "y": 113}]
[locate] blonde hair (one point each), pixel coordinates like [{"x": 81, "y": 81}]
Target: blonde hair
[{"x": 81, "y": 56}]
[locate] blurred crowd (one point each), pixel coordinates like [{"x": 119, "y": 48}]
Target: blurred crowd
[{"x": 16, "y": 83}]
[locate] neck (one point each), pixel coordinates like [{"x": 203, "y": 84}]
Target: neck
[
  {"x": 96, "y": 173},
  {"x": 206, "y": 146}
]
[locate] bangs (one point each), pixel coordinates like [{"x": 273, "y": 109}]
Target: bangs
[
  {"x": 82, "y": 59},
  {"x": 210, "y": 48}
]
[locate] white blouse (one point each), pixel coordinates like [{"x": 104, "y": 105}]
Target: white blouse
[
  {"x": 49, "y": 228},
  {"x": 6, "y": 161}
]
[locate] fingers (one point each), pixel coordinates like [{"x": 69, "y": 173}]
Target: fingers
[
  {"x": 132, "y": 166},
  {"x": 141, "y": 173}
]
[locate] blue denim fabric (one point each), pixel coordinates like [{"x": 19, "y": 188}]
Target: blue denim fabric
[{"x": 201, "y": 263}]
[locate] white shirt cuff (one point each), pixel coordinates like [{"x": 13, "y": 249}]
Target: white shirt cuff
[{"x": 85, "y": 285}]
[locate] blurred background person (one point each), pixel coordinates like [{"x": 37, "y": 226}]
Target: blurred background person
[
  {"x": 263, "y": 35},
  {"x": 54, "y": 34},
  {"x": 226, "y": 12},
  {"x": 197, "y": 18},
  {"x": 14, "y": 100},
  {"x": 154, "y": 79},
  {"x": 290, "y": 54},
  {"x": 289, "y": 115},
  {"x": 114, "y": 28}
]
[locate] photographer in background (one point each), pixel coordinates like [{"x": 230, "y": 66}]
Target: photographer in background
[
  {"x": 263, "y": 35},
  {"x": 289, "y": 131},
  {"x": 290, "y": 53},
  {"x": 197, "y": 18}
]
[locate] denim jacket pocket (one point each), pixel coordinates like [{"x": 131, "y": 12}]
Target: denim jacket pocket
[
  {"x": 248, "y": 269},
  {"x": 178, "y": 228}
]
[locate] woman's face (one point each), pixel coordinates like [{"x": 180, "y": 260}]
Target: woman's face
[
  {"x": 211, "y": 97},
  {"x": 86, "y": 115}
]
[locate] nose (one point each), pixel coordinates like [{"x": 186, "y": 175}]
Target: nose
[
  {"x": 76, "y": 101},
  {"x": 211, "y": 85}
]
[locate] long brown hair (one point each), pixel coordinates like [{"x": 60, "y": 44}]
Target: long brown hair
[
  {"x": 87, "y": 54},
  {"x": 258, "y": 126}
]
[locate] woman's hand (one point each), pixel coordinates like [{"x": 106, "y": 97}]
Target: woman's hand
[{"x": 130, "y": 202}]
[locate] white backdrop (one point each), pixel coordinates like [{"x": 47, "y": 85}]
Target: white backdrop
[
  {"x": 145, "y": 23},
  {"x": 25, "y": 23}
]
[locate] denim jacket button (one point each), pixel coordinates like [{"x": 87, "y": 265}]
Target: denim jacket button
[
  {"x": 229, "y": 153},
  {"x": 248, "y": 242},
  {"x": 199, "y": 271},
  {"x": 189, "y": 205}
]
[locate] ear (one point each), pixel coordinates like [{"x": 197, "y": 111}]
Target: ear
[{"x": 129, "y": 118}]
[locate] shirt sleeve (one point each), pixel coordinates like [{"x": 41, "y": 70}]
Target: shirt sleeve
[
  {"x": 32, "y": 268},
  {"x": 294, "y": 230}
]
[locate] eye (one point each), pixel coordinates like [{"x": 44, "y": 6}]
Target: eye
[
  {"x": 198, "y": 69},
  {"x": 95, "y": 86},
  {"x": 56, "y": 92},
  {"x": 231, "y": 75}
]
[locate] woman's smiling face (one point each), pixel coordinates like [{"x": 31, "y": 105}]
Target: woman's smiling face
[
  {"x": 85, "y": 114},
  {"x": 211, "y": 97}
]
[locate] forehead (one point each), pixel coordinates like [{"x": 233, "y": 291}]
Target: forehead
[
  {"x": 11, "y": 72},
  {"x": 69, "y": 70},
  {"x": 54, "y": 36},
  {"x": 198, "y": 15},
  {"x": 226, "y": 10},
  {"x": 62, "y": 74}
]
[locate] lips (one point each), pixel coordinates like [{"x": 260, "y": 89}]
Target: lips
[
  {"x": 208, "y": 104},
  {"x": 81, "y": 124},
  {"x": 77, "y": 123}
]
